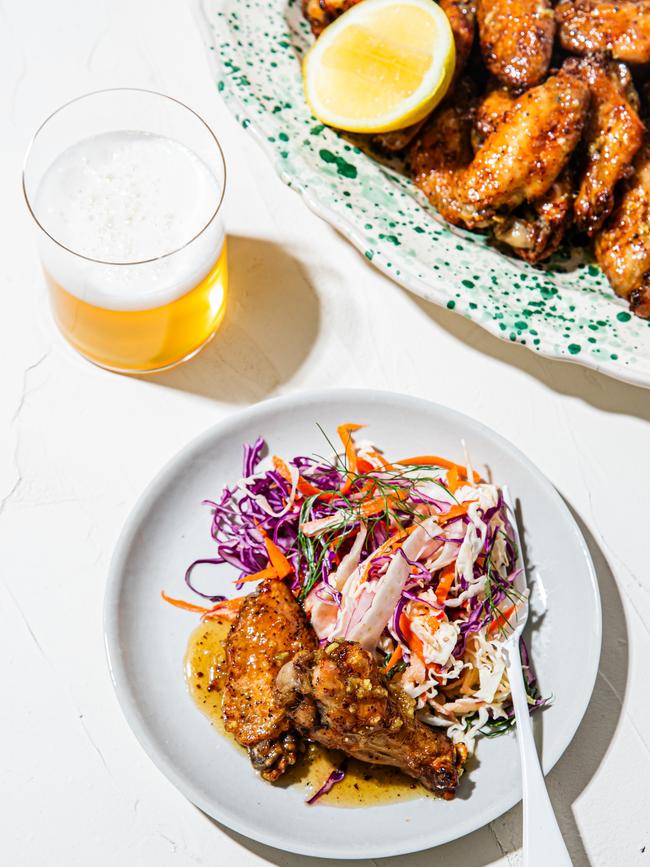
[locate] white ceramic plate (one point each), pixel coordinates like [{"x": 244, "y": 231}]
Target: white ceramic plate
[{"x": 146, "y": 638}]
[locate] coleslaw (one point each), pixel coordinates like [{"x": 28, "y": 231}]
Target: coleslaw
[{"x": 413, "y": 558}]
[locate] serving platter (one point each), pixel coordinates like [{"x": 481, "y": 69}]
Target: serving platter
[
  {"x": 146, "y": 639},
  {"x": 564, "y": 309}
]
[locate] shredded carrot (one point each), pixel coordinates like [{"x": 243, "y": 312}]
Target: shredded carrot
[
  {"x": 345, "y": 432},
  {"x": 501, "y": 620},
  {"x": 435, "y": 461},
  {"x": 380, "y": 504},
  {"x": 186, "y": 606},
  {"x": 302, "y": 485},
  {"x": 278, "y": 561},
  {"x": 454, "y": 512},
  {"x": 364, "y": 466},
  {"x": 268, "y": 572},
  {"x": 385, "y": 547},
  {"x": 412, "y": 639},
  {"x": 395, "y": 658},
  {"x": 453, "y": 479},
  {"x": 382, "y": 460},
  {"x": 446, "y": 580}
]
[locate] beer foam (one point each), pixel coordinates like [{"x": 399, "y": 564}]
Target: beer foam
[{"x": 125, "y": 197}]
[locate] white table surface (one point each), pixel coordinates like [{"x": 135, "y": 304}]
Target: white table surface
[{"x": 79, "y": 444}]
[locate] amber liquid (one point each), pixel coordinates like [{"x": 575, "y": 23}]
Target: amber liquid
[
  {"x": 140, "y": 341},
  {"x": 363, "y": 784}
]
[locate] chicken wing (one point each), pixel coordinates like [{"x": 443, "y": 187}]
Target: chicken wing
[
  {"x": 336, "y": 696},
  {"x": 613, "y": 135},
  {"x": 490, "y": 112},
  {"x": 442, "y": 153},
  {"x": 516, "y": 40},
  {"x": 320, "y": 13},
  {"x": 270, "y": 628},
  {"x": 536, "y": 230},
  {"x": 518, "y": 162},
  {"x": 623, "y": 246},
  {"x": 462, "y": 18},
  {"x": 621, "y": 27}
]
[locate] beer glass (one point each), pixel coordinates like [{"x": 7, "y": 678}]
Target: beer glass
[{"x": 126, "y": 188}]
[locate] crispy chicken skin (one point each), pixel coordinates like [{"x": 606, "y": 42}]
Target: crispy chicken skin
[
  {"x": 491, "y": 110},
  {"x": 519, "y": 161},
  {"x": 516, "y": 40},
  {"x": 442, "y": 153},
  {"x": 613, "y": 135},
  {"x": 623, "y": 246},
  {"x": 462, "y": 18},
  {"x": 621, "y": 27},
  {"x": 337, "y": 697},
  {"x": 270, "y": 629}
]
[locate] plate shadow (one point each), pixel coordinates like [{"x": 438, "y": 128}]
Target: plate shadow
[
  {"x": 567, "y": 378},
  {"x": 272, "y": 322}
]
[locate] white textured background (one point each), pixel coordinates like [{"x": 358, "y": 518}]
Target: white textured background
[{"x": 79, "y": 444}]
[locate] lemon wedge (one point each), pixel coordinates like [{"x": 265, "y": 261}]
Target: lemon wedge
[{"x": 383, "y": 65}]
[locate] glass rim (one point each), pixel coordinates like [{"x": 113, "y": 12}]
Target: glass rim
[{"x": 122, "y": 90}]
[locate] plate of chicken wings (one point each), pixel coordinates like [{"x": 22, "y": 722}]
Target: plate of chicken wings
[
  {"x": 284, "y": 706},
  {"x": 522, "y": 202}
]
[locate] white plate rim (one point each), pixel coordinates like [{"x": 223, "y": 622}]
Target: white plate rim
[{"x": 119, "y": 678}]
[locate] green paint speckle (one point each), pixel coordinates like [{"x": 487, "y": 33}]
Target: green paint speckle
[
  {"x": 369, "y": 254},
  {"x": 451, "y": 305},
  {"x": 220, "y": 86},
  {"x": 344, "y": 168},
  {"x": 283, "y": 136},
  {"x": 574, "y": 348},
  {"x": 623, "y": 316},
  {"x": 468, "y": 284}
]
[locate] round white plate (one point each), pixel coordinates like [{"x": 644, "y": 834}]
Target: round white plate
[{"x": 146, "y": 638}]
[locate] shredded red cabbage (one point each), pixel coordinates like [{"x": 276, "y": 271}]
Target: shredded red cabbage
[{"x": 335, "y": 777}]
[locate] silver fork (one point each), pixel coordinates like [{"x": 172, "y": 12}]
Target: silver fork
[{"x": 542, "y": 838}]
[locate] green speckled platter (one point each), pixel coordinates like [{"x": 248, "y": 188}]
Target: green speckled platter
[{"x": 564, "y": 309}]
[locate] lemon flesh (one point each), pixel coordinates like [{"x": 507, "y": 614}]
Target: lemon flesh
[{"x": 383, "y": 65}]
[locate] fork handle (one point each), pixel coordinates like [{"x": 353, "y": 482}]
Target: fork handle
[{"x": 543, "y": 842}]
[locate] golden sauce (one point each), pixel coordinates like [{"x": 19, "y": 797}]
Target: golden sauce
[{"x": 362, "y": 785}]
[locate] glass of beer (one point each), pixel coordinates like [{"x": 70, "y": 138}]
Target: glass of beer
[{"x": 126, "y": 188}]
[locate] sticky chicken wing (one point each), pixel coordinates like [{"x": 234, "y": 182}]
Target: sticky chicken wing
[
  {"x": 337, "y": 697},
  {"x": 270, "y": 628},
  {"x": 516, "y": 40},
  {"x": 623, "y": 245},
  {"x": 613, "y": 135},
  {"x": 621, "y": 27},
  {"x": 518, "y": 162},
  {"x": 320, "y": 13}
]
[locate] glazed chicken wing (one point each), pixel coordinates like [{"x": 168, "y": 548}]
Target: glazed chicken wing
[
  {"x": 336, "y": 696},
  {"x": 613, "y": 135},
  {"x": 490, "y": 112},
  {"x": 518, "y": 162},
  {"x": 621, "y": 27},
  {"x": 516, "y": 40},
  {"x": 623, "y": 246},
  {"x": 270, "y": 628}
]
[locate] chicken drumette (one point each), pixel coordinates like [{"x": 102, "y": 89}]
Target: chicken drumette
[
  {"x": 337, "y": 697},
  {"x": 271, "y": 627}
]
